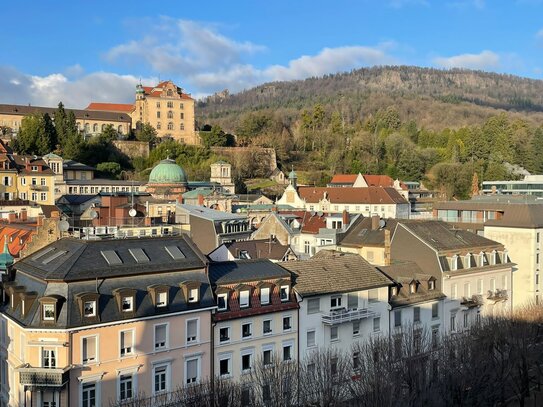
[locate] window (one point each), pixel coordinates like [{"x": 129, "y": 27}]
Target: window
[
  {"x": 287, "y": 323},
  {"x": 335, "y": 302},
  {"x": 43, "y": 196},
  {"x": 158, "y": 115},
  {"x": 127, "y": 342},
  {"x": 88, "y": 396},
  {"x": 246, "y": 330},
  {"x": 416, "y": 314},
  {"x": 224, "y": 334},
  {"x": 265, "y": 295},
  {"x": 224, "y": 366},
  {"x": 89, "y": 349},
  {"x": 453, "y": 322},
  {"x": 398, "y": 318},
  {"x": 480, "y": 286},
  {"x": 267, "y": 326},
  {"x": 413, "y": 288},
  {"x": 49, "y": 360},
  {"x": 467, "y": 290},
  {"x": 89, "y": 308},
  {"x": 313, "y": 305},
  {"x": 373, "y": 295},
  {"x": 162, "y": 299},
  {"x": 222, "y": 300},
  {"x": 42, "y": 182},
  {"x": 158, "y": 126},
  {"x": 435, "y": 310},
  {"x": 192, "y": 371},
  {"x": 169, "y": 104},
  {"x": 284, "y": 292},
  {"x": 352, "y": 300},
  {"x": 170, "y": 126},
  {"x": 158, "y": 104},
  {"x": 466, "y": 319},
  {"x": 454, "y": 291},
  {"x": 334, "y": 333},
  {"x": 287, "y": 352},
  {"x": 193, "y": 294},
  {"x": 180, "y": 105},
  {"x": 126, "y": 387},
  {"x": 307, "y": 247},
  {"x": 246, "y": 362},
  {"x": 376, "y": 324},
  {"x": 493, "y": 284},
  {"x": 356, "y": 360},
  {"x": 160, "y": 374},
  {"x": 34, "y": 196},
  {"x": 182, "y": 126},
  {"x": 161, "y": 335},
  {"x": 356, "y": 328},
  {"x": 504, "y": 282},
  {"x": 244, "y": 299},
  {"x": 23, "y": 181},
  {"x": 170, "y": 114},
  {"x": 48, "y": 312},
  {"x": 310, "y": 338},
  {"x": 192, "y": 330},
  {"x": 128, "y": 304},
  {"x": 182, "y": 116},
  {"x": 267, "y": 357}
]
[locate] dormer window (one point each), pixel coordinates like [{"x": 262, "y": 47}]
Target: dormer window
[
  {"x": 48, "y": 312},
  {"x": 483, "y": 259},
  {"x": 265, "y": 295},
  {"x": 128, "y": 304},
  {"x": 285, "y": 292},
  {"x": 454, "y": 262},
  {"x": 222, "y": 301},
  {"x": 34, "y": 168},
  {"x": 162, "y": 299},
  {"x": 493, "y": 257},
  {"x": 89, "y": 308},
  {"x": 431, "y": 285},
  {"x": 244, "y": 298},
  {"x": 394, "y": 291},
  {"x": 193, "y": 294},
  {"x": 413, "y": 287}
]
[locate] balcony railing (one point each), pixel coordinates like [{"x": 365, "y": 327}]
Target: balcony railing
[
  {"x": 497, "y": 295},
  {"x": 473, "y": 301},
  {"x": 341, "y": 316},
  {"x": 42, "y": 377}
]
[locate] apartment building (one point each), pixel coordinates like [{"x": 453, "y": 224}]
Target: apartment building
[
  {"x": 343, "y": 300},
  {"x": 86, "y": 323},
  {"x": 475, "y": 273},
  {"x": 256, "y": 319}
]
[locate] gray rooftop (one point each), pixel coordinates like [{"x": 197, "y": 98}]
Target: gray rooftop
[
  {"x": 229, "y": 272},
  {"x": 210, "y": 214}
]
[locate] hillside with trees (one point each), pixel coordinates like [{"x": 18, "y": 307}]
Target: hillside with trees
[{"x": 438, "y": 126}]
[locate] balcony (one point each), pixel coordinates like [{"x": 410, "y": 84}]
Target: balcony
[
  {"x": 39, "y": 187},
  {"x": 37, "y": 377},
  {"x": 343, "y": 315},
  {"x": 497, "y": 295},
  {"x": 473, "y": 301}
]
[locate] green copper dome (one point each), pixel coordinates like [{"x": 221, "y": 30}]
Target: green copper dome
[
  {"x": 6, "y": 259},
  {"x": 292, "y": 175},
  {"x": 167, "y": 172}
]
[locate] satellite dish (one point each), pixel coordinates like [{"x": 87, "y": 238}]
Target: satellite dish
[
  {"x": 382, "y": 224},
  {"x": 313, "y": 213},
  {"x": 93, "y": 214},
  {"x": 63, "y": 226},
  {"x": 132, "y": 212},
  {"x": 320, "y": 213}
]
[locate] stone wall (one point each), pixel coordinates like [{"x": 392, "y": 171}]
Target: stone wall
[
  {"x": 132, "y": 148},
  {"x": 259, "y": 161}
]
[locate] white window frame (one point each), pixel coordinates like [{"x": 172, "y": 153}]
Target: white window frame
[
  {"x": 160, "y": 303},
  {"x": 250, "y": 330},
  {"x": 97, "y": 350},
  {"x": 167, "y": 341},
  {"x": 97, "y": 391},
  {"x": 130, "y": 301},
  {"x": 133, "y": 380},
  {"x": 244, "y": 295},
  {"x": 287, "y": 291},
  {"x": 336, "y": 337},
  {"x": 190, "y": 341},
  {"x": 93, "y": 314},
  {"x": 337, "y": 299},
  {"x": 198, "y": 369},
  {"x": 283, "y": 322},
  {"x": 228, "y": 357},
  {"x": 132, "y": 351},
  {"x": 229, "y": 334},
  {"x": 270, "y": 320},
  {"x": 167, "y": 383},
  {"x": 225, "y": 296},
  {"x": 247, "y": 352},
  {"x": 265, "y": 296},
  {"x": 194, "y": 293},
  {"x": 44, "y": 307},
  {"x": 314, "y": 332},
  {"x": 283, "y": 346}
]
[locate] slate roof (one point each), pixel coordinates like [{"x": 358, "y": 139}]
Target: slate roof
[
  {"x": 229, "y": 272},
  {"x": 74, "y": 165},
  {"x": 520, "y": 216},
  {"x": 335, "y": 273},
  {"x": 210, "y": 214},
  {"x": 351, "y": 195},
  {"x": 403, "y": 273},
  {"x": 443, "y": 237},
  {"x": 259, "y": 249},
  {"x": 76, "y": 199},
  {"x": 362, "y": 234},
  {"x": 83, "y": 259},
  {"x": 24, "y": 110}
]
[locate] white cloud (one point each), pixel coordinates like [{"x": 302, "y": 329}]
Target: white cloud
[
  {"x": 484, "y": 60},
  {"x": 20, "y": 88}
]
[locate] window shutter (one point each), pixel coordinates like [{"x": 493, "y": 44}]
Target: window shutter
[
  {"x": 160, "y": 334},
  {"x": 313, "y": 305},
  {"x": 89, "y": 349},
  {"x": 352, "y": 300},
  {"x": 192, "y": 329},
  {"x": 192, "y": 369},
  {"x": 126, "y": 340}
]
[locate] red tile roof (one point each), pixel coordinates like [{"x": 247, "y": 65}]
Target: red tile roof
[
  {"x": 111, "y": 107},
  {"x": 381, "y": 181},
  {"x": 350, "y": 195},
  {"x": 17, "y": 236},
  {"x": 344, "y": 179}
]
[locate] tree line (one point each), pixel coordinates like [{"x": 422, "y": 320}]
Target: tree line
[{"x": 497, "y": 362}]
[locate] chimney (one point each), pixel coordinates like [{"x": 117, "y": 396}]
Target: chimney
[
  {"x": 375, "y": 222},
  {"x": 387, "y": 248},
  {"x": 200, "y": 200},
  {"x": 346, "y": 218},
  {"x": 180, "y": 198},
  {"x": 24, "y": 215},
  {"x": 147, "y": 221},
  {"x": 12, "y": 217}
]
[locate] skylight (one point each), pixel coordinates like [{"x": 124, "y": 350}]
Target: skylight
[
  {"x": 111, "y": 257},
  {"x": 175, "y": 252},
  {"x": 43, "y": 253},
  {"x": 139, "y": 255},
  {"x": 54, "y": 256}
]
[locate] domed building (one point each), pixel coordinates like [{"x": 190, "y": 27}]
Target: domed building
[{"x": 167, "y": 180}]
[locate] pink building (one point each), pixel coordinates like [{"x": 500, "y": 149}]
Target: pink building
[{"x": 89, "y": 323}]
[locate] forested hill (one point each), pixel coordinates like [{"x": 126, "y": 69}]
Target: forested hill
[
  {"x": 434, "y": 98},
  {"x": 446, "y": 128}
]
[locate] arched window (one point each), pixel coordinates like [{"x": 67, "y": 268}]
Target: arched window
[
  {"x": 103, "y": 127},
  {"x": 158, "y": 126},
  {"x": 170, "y": 126},
  {"x": 181, "y": 126},
  {"x": 180, "y": 105},
  {"x": 170, "y": 114},
  {"x": 95, "y": 128},
  {"x": 169, "y": 92},
  {"x": 120, "y": 129},
  {"x": 87, "y": 127},
  {"x": 182, "y": 115}
]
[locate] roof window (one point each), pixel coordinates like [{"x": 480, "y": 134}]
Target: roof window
[
  {"x": 111, "y": 257},
  {"x": 175, "y": 252},
  {"x": 139, "y": 255}
]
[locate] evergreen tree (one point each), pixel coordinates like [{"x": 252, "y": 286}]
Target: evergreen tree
[{"x": 60, "y": 124}]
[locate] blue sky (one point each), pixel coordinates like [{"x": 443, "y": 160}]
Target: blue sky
[{"x": 79, "y": 51}]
